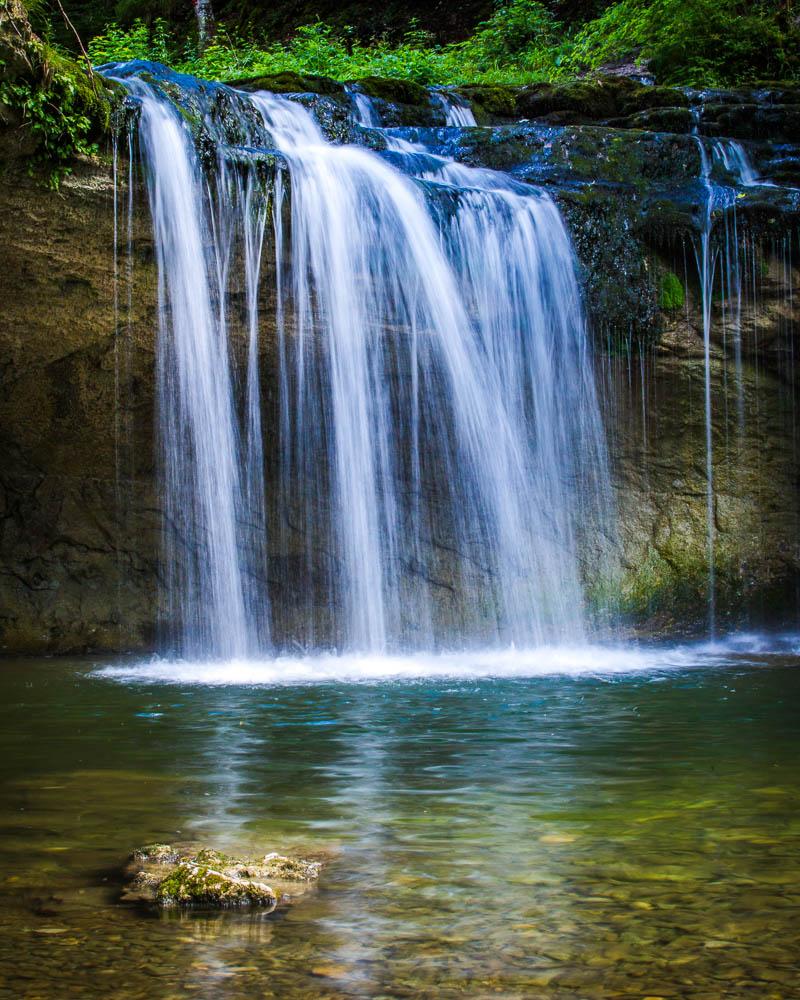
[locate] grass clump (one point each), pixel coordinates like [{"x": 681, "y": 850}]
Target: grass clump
[{"x": 58, "y": 112}]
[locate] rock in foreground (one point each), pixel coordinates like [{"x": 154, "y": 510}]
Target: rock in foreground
[{"x": 182, "y": 876}]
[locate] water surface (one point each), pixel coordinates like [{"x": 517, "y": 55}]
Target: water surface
[{"x": 568, "y": 834}]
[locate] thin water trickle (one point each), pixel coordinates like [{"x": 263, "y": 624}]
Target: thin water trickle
[
  {"x": 366, "y": 113},
  {"x": 706, "y": 264},
  {"x": 457, "y": 111}
]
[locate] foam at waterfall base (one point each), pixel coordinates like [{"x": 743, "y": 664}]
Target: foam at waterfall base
[{"x": 579, "y": 661}]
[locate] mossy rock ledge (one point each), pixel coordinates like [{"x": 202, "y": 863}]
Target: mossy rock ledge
[{"x": 182, "y": 876}]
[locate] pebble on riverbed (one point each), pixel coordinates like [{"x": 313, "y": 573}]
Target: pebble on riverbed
[{"x": 175, "y": 875}]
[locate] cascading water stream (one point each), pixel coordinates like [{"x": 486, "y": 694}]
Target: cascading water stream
[
  {"x": 366, "y": 113},
  {"x": 439, "y": 441},
  {"x": 510, "y": 507},
  {"x": 208, "y": 490},
  {"x": 733, "y": 157},
  {"x": 457, "y": 111}
]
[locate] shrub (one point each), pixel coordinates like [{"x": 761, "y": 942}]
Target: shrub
[{"x": 691, "y": 42}]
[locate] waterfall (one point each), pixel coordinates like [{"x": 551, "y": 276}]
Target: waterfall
[
  {"x": 456, "y": 110},
  {"x": 210, "y": 465},
  {"x": 722, "y": 264},
  {"x": 733, "y": 157},
  {"x": 439, "y": 452},
  {"x": 365, "y": 111}
]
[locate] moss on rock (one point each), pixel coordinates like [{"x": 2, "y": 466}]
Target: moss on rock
[
  {"x": 51, "y": 109},
  {"x": 671, "y": 293},
  {"x": 491, "y": 103},
  {"x": 182, "y": 876},
  {"x": 290, "y": 83},
  {"x": 291, "y": 869},
  {"x": 395, "y": 91},
  {"x": 196, "y": 885}
]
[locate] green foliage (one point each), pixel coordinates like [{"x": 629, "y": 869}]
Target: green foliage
[
  {"x": 58, "y": 112},
  {"x": 671, "y": 293},
  {"x": 693, "y": 42},
  {"x": 518, "y": 44},
  {"x": 140, "y": 41}
]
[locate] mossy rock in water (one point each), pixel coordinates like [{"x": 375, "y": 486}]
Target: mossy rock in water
[
  {"x": 595, "y": 100},
  {"x": 194, "y": 885},
  {"x": 491, "y": 102},
  {"x": 395, "y": 91},
  {"x": 290, "y": 83},
  {"x": 677, "y": 120},
  {"x": 156, "y": 854},
  {"x": 170, "y": 875}
]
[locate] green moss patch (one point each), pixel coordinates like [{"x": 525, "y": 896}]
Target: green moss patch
[{"x": 671, "y": 293}]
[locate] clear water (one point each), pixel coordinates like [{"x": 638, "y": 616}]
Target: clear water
[{"x": 596, "y": 834}]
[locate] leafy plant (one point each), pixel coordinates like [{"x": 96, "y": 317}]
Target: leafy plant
[
  {"x": 59, "y": 112},
  {"x": 694, "y": 42}
]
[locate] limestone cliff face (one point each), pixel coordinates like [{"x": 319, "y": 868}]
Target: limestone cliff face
[
  {"x": 79, "y": 524},
  {"x": 657, "y": 439}
]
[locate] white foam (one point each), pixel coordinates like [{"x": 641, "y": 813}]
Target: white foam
[{"x": 326, "y": 668}]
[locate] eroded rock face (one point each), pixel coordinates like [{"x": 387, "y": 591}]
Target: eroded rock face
[
  {"x": 79, "y": 519},
  {"x": 180, "y": 875}
]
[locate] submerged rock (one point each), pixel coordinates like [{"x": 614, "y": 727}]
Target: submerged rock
[{"x": 182, "y": 876}]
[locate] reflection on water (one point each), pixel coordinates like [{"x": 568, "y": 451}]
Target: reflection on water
[{"x": 594, "y": 835}]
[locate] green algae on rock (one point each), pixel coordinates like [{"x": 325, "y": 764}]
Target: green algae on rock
[
  {"x": 195, "y": 885},
  {"x": 181, "y": 876}
]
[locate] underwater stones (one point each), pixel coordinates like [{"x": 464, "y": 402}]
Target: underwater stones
[
  {"x": 293, "y": 869},
  {"x": 181, "y": 876}
]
